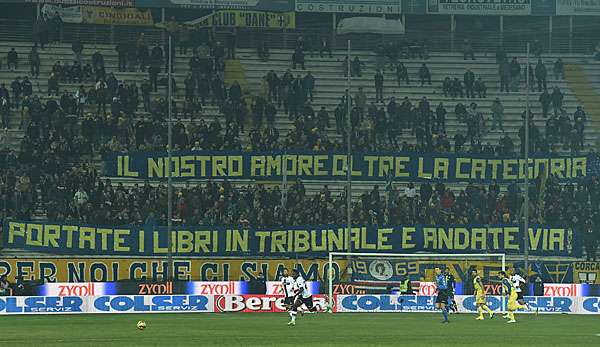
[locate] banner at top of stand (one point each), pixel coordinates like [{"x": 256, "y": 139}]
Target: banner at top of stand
[
  {"x": 265, "y": 5},
  {"x": 578, "y": 7},
  {"x": 350, "y": 6},
  {"x": 111, "y": 3},
  {"x": 480, "y": 7},
  {"x": 398, "y": 167}
]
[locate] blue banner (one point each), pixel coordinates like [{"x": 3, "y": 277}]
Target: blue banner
[
  {"x": 414, "y": 303},
  {"x": 405, "y": 167},
  {"x": 56, "y": 238},
  {"x": 105, "y": 304}
]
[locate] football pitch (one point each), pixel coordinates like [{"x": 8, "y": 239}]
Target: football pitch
[{"x": 268, "y": 329}]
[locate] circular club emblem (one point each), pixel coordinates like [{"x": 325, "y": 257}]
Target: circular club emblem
[{"x": 381, "y": 269}]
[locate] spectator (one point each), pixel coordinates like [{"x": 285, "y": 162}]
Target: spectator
[
  {"x": 456, "y": 89},
  {"x": 559, "y": 69},
  {"x": 308, "y": 84},
  {"x": 402, "y": 74},
  {"x": 467, "y": 50},
  {"x": 469, "y": 79},
  {"x": 26, "y": 87},
  {"x": 101, "y": 95},
  {"x": 579, "y": 119},
  {"x": 545, "y": 100},
  {"x": 557, "y": 100},
  {"x": 97, "y": 62},
  {"x": 515, "y": 75},
  {"x": 378, "y": 86},
  {"x": 540, "y": 75},
  {"x": 34, "y": 62},
  {"x": 122, "y": 50},
  {"x": 440, "y": 118},
  {"x": 53, "y": 85},
  {"x": 5, "y": 112},
  {"x": 480, "y": 88},
  {"x": 16, "y": 91},
  {"x": 298, "y": 58},
  {"x": 447, "y": 87},
  {"x": 505, "y": 72},
  {"x": 356, "y": 67},
  {"x": 77, "y": 48},
  {"x": 273, "y": 84},
  {"x": 12, "y": 60},
  {"x": 537, "y": 48},
  {"x": 325, "y": 47},
  {"x": 497, "y": 114},
  {"x": 424, "y": 74},
  {"x": 142, "y": 55}
]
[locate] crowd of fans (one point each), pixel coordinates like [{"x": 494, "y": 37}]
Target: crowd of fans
[
  {"x": 80, "y": 195},
  {"x": 103, "y": 114}
]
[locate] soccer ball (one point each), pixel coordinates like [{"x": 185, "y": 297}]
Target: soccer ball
[{"x": 141, "y": 325}]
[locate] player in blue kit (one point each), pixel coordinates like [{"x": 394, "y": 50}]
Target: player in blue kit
[
  {"x": 451, "y": 283},
  {"x": 441, "y": 301}
]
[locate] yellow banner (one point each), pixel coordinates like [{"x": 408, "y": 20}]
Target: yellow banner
[
  {"x": 154, "y": 269},
  {"x": 586, "y": 272},
  {"x": 118, "y": 269},
  {"x": 247, "y": 19},
  {"x": 116, "y": 16}
]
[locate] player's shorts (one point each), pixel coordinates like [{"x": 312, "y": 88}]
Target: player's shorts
[
  {"x": 519, "y": 295},
  {"x": 480, "y": 298},
  {"x": 442, "y": 297},
  {"x": 288, "y": 301},
  {"x": 308, "y": 302},
  {"x": 512, "y": 302}
]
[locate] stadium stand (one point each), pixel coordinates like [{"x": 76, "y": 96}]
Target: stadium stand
[{"x": 35, "y": 139}]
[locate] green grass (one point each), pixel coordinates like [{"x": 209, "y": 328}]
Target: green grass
[{"x": 264, "y": 329}]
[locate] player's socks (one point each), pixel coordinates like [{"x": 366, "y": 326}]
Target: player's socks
[
  {"x": 480, "y": 310},
  {"x": 511, "y": 315},
  {"x": 445, "y": 313},
  {"x": 488, "y": 310},
  {"x": 293, "y": 318}
]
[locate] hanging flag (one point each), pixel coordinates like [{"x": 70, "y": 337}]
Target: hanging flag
[{"x": 247, "y": 19}]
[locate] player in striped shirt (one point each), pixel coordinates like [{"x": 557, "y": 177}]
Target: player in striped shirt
[
  {"x": 302, "y": 297},
  {"x": 287, "y": 284}
]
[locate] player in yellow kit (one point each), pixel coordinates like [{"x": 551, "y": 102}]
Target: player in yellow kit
[
  {"x": 480, "y": 299},
  {"x": 509, "y": 290}
]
